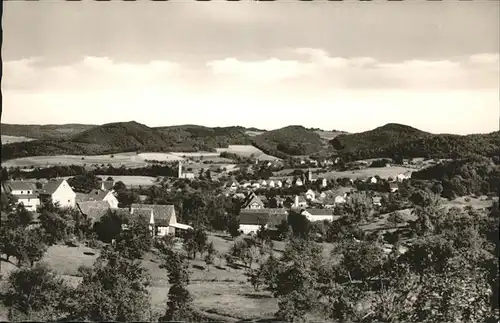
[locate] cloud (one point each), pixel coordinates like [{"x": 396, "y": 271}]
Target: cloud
[
  {"x": 304, "y": 85},
  {"x": 309, "y": 67}
]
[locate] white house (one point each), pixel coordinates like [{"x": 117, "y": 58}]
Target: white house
[
  {"x": 339, "y": 199},
  {"x": 298, "y": 182},
  {"x": 58, "y": 191},
  {"x": 299, "y": 201},
  {"x": 24, "y": 192},
  {"x": 161, "y": 217},
  {"x": 263, "y": 183},
  {"x": 252, "y": 201},
  {"x": 310, "y": 195},
  {"x": 252, "y": 220},
  {"x": 401, "y": 177},
  {"x": 318, "y": 214},
  {"x": 272, "y": 184},
  {"x": 279, "y": 183},
  {"x": 324, "y": 182},
  {"x": 394, "y": 187},
  {"x": 373, "y": 180},
  {"x": 255, "y": 185}
]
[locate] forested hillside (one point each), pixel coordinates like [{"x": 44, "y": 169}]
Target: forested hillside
[{"x": 289, "y": 141}]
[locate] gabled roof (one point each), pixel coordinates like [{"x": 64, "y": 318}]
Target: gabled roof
[
  {"x": 262, "y": 216},
  {"x": 51, "y": 186},
  {"x": 162, "y": 213},
  {"x": 19, "y": 186},
  {"x": 93, "y": 209},
  {"x": 250, "y": 199},
  {"x": 94, "y": 195},
  {"x": 142, "y": 214}
]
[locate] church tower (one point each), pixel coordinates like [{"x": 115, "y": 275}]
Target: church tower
[
  {"x": 309, "y": 175},
  {"x": 180, "y": 169}
]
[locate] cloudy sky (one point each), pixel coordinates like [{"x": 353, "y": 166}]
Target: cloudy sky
[{"x": 350, "y": 65}]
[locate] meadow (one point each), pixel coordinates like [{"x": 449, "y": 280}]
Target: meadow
[
  {"x": 12, "y": 139},
  {"x": 247, "y": 151}
]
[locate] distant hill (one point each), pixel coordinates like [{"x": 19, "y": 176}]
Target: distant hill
[
  {"x": 380, "y": 137},
  {"x": 130, "y": 136},
  {"x": 193, "y": 137},
  {"x": 289, "y": 141},
  {"x": 405, "y": 141},
  {"x": 43, "y": 131}
]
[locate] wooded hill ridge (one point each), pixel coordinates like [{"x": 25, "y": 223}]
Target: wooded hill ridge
[{"x": 388, "y": 141}]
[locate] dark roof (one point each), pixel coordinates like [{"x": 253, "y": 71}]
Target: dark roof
[
  {"x": 254, "y": 218},
  {"x": 319, "y": 211},
  {"x": 19, "y": 186},
  {"x": 51, "y": 186},
  {"x": 272, "y": 217},
  {"x": 94, "y": 195},
  {"x": 123, "y": 213},
  {"x": 162, "y": 213},
  {"x": 143, "y": 214},
  {"x": 93, "y": 209}
]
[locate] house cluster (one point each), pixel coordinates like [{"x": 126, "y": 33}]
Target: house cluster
[
  {"x": 258, "y": 211},
  {"x": 285, "y": 182},
  {"x": 93, "y": 205},
  {"x": 31, "y": 195}
]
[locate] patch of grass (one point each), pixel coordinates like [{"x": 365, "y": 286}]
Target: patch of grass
[{"x": 66, "y": 260}]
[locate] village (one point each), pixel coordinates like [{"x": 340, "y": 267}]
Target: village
[{"x": 316, "y": 199}]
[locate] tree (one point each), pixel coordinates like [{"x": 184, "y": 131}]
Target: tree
[
  {"x": 85, "y": 182},
  {"x": 35, "y": 294},
  {"x": 28, "y": 245},
  {"x": 293, "y": 279},
  {"x": 210, "y": 254},
  {"x": 136, "y": 240},
  {"x": 56, "y": 226},
  {"x": 114, "y": 289},
  {"x": 109, "y": 226},
  {"x": 233, "y": 225},
  {"x": 179, "y": 305},
  {"x": 300, "y": 225}
]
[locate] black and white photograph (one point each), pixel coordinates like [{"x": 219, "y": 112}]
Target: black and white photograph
[{"x": 250, "y": 161}]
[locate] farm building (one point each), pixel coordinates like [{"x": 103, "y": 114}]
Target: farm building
[
  {"x": 252, "y": 220},
  {"x": 24, "y": 192},
  {"x": 98, "y": 195},
  {"x": 58, "y": 191},
  {"x": 93, "y": 210},
  {"x": 163, "y": 217}
]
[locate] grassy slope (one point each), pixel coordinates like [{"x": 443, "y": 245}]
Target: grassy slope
[
  {"x": 43, "y": 131},
  {"x": 130, "y": 136}
]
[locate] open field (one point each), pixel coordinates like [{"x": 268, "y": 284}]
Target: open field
[
  {"x": 253, "y": 133},
  {"x": 218, "y": 289},
  {"x": 11, "y": 139},
  {"x": 120, "y": 159},
  {"x": 328, "y": 135},
  {"x": 246, "y": 151},
  {"x": 129, "y": 159},
  {"x": 129, "y": 180},
  {"x": 160, "y": 156},
  {"x": 480, "y": 202}
]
